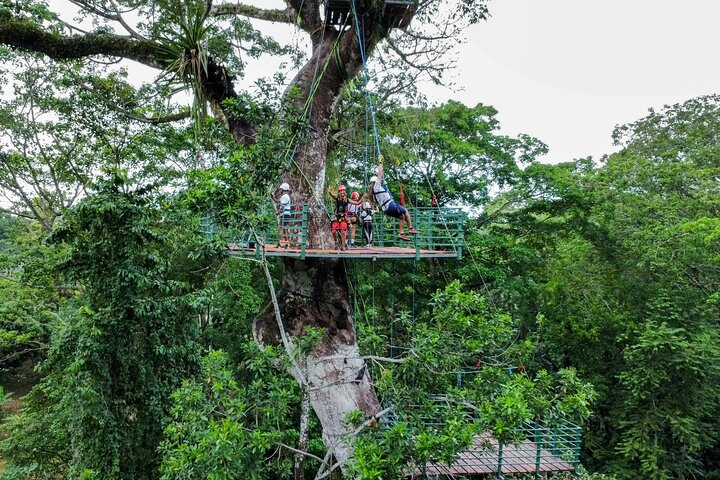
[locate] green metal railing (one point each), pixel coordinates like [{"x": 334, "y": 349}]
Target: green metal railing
[
  {"x": 441, "y": 229},
  {"x": 536, "y": 448},
  {"x": 551, "y": 445},
  {"x": 292, "y": 225}
]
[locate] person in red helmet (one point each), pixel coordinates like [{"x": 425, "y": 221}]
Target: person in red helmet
[
  {"x": 353, "y": 211},
  {"x": 340, "y": 218},
  {"x": 339, "y": 222},
  {"x": 388, "y": 206}
]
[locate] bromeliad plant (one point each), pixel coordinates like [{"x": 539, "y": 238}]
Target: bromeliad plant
[{"x": 185, "y": 56}]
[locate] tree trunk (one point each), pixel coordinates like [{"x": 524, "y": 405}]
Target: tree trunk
[
  {"x": 315, "y": 291},
  {"x": 315, "y": 294},
  {"x": 303, "y": 437}
]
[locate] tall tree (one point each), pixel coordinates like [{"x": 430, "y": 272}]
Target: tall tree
[{"x": 198, "y": 43}]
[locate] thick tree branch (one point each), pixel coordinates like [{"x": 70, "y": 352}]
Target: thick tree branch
[
  {"x": 157, "y": 120},
  {"x": 269, "y": 15},
  {"x": 309, "y": 13},
  {"x": 30, "y": 36}
]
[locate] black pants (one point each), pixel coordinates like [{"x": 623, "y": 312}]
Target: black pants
[{"x": 367, "y": 232}]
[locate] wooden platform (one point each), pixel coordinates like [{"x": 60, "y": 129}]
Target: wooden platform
[
  {"x": 440, "y": 236},
  {"x": 351, "y": 252},
  {"x": 484, "y": 458}
]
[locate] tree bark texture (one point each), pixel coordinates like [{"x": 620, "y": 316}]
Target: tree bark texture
[
  {"x": 304, "y": 436},
  {"x": 315, "y": 292}
]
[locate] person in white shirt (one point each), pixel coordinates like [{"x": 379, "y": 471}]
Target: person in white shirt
[
  {"x": 388, "y": 206},
  {"x": 366, "y": 217},
  {"x": 283, "y": 213}
]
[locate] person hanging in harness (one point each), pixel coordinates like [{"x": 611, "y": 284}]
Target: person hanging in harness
[
  {"x": 366, "y": 217},
  {"x": 388, "y": 206}
]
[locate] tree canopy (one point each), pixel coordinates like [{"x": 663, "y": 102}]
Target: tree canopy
[{"x": 588, "y": 292}]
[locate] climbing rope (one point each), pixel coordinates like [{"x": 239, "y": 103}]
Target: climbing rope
[
  {"x": 435, "y": 204},
  {"x": 360, "y": 35}
]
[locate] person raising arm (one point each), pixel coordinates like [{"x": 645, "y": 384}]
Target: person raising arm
[{"x": 388, "y": 206}]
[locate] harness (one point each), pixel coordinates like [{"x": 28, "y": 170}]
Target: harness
[
  {"x": 341, "y": 209},
  {"x": 352, "y": 210},
  {"x": 366, "y": 215},
  {"x": 375, "y": 194},
  {"x": 283, "y": 209}
]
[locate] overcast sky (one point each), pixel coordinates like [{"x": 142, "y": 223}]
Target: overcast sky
[{"x": 568, "y": 71}]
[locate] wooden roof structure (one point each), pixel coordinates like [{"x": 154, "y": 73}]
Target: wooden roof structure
[
  {"x": 396, "y": 13},
  {"x": 536, "y": 448},
  {"x": 487, "y": 457}
]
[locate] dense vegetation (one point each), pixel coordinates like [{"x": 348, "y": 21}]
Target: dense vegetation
[{"x": 596, "y": 282}]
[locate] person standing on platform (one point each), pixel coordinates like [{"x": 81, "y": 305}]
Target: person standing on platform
[
  {"x": 366, "y": 218},
  {"x": 353, "y": 210},
  {"x": 340, "y": 220},
  {"x": 388, "y": 206},
  {"x": 283, "y": 213}
]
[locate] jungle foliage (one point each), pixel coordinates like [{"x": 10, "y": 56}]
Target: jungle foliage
[{"x": 600, "y": 278}]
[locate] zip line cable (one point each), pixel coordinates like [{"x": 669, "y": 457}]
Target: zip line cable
[{"x": 432, "y": 192}]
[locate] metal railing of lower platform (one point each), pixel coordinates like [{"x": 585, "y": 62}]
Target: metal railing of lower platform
[{"x": 540, "y": 449}]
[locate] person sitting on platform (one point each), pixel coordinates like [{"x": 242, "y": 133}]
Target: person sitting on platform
[
  {"x": 283, "y": 213},
  {"x": 366, "y": 218},
  {"x": 388, "y": 206}
]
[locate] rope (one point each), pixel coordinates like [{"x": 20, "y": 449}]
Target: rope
[
  {"x": 367, "y": 75},
  {"x": 412, "y": 333},
  {"x": 373, "y": 286},
  {"x": 435, "y": 204},
  {"x": 367, "y": 124},
  {"x": 392, "y": 320}
]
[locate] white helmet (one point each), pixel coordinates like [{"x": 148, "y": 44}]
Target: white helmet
[
  {"x": 284, "y": 186},
  {"x": 373, "y": 179}
]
